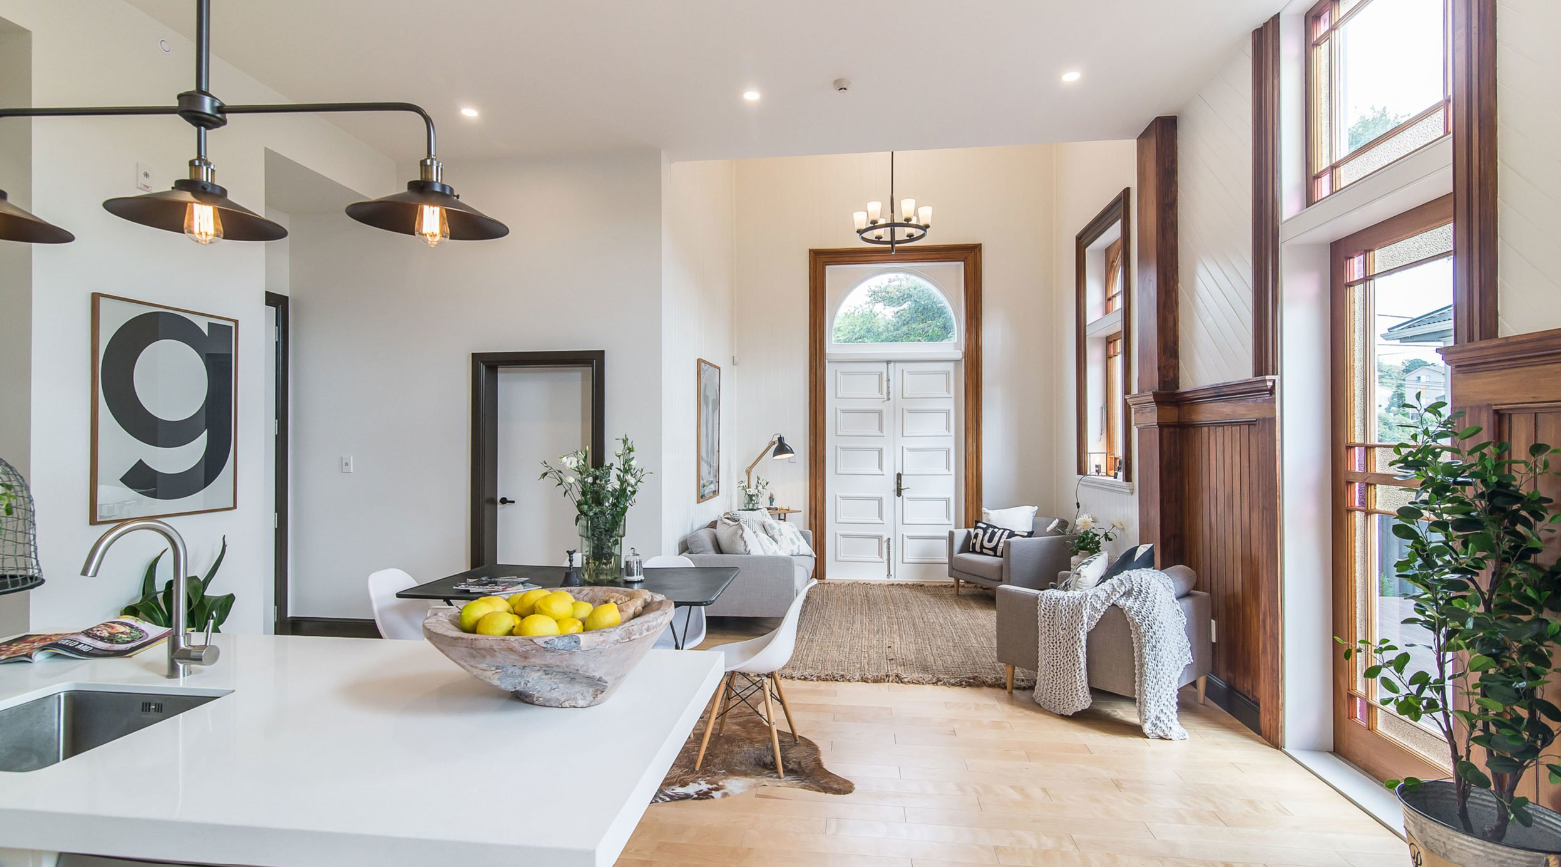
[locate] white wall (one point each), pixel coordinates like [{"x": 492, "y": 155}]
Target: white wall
[
  {"x": 383, "y": 331},
  {"x": 698, "y": 267},
  {"x": 105, "y": 52},
  {"x": 16, "y": 284},
  {"x": 1214, "y": 176},
  {"x": 1528, "y": 178},
  {"x": 1086, "y": 177},
  {"x": 998, "y": 197}
]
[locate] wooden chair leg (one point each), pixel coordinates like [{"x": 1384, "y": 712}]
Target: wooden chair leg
[
  {"x": 787, "y": 708},
  {"x": 769, "y": 717},
  {"x": 730, "y": 690},
  {"x": 716, "y": 702},
  {"x": 956, "y": 586},
  {"x": 1203, "y": 685},
  {"x": 1009, "y": 677}
]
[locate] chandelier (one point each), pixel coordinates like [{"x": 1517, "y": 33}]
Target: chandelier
[
  {"x": 875, "y": 227},
  {"x": 201, "y": 209}
]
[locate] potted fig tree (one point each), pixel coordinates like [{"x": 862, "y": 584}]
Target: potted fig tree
[{"x": 1488, "y": 594}]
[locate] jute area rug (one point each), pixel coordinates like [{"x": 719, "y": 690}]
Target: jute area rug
[{"x": 864, "y": 632}]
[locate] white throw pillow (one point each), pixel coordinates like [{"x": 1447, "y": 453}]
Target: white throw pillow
[
  {"x": 788, "y": 539},
  {"x": 1088, "y": 574},
  {"x": 1020, "y": 519},
  {"x": 729, "y": 536},
  {"x": 743, "y": 533}
]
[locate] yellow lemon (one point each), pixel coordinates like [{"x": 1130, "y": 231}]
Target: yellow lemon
[
  {"x": 473, "y": 611},
  {"x": 569, "y": 626},
  {"x": 582, "y": 611},
  {"x": 525, "y": 604},
  {"x": 556, "y": 605},
  {"x": 537, "y": 624},
  {"x": 497, "y": 601},
  {"x": 497, "y": 623},
  {"x": 603, "y": 616}
]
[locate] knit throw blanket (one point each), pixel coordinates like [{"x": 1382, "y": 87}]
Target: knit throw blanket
[{"x": 1160, "y": 648}]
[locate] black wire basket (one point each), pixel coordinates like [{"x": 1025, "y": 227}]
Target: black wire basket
[{"x": 18, "y": 534}]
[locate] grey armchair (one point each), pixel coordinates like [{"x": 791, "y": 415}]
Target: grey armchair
[
  {"x": 1109, "y": 648},
  {"x": 1026, "y": 562}
]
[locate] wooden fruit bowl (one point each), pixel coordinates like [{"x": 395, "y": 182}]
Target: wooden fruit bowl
[{"x": 579, "y": 670}]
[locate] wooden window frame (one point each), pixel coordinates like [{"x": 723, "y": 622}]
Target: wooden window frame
[
  {"x": 1361, "y": 742},
  {"x": 1316, "y": 148},
  {"x": 1117, "y": 212}
]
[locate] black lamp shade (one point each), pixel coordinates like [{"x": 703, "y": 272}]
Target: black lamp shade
[
  {"x": 781, "y": 449},
  {"x": 166, "y": 211},
  {"x": 398, "y": 213},
  {"x": 18, "y": 225}
]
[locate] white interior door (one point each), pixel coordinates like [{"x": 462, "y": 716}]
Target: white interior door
[
  {"x": 891, "y": 469},
  {"x": 928, "y": 467},
  {"x": 543, "y": 412},
  {"x": 859, "y": 472}
]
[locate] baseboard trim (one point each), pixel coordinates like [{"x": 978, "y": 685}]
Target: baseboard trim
[
  {"x": 333, "y": 627},
  {"x": 1244, "y": 709}
]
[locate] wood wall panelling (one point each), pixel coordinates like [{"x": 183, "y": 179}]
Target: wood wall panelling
[
  {"x": 1219, "y": 459},
  {"x": 1155, "y": 356},
  {"x": 1474, "y": 168},
  {"x": 1265, "y": 198}
]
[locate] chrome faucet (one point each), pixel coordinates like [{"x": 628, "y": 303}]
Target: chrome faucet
[{"x": 181, "y": 653}]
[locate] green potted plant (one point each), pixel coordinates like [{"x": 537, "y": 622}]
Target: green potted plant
[
  {"x": 1092, "y": 536},
  {"x": 154, "y": 605},
  {"x": 1488, "y": 595},
  {"x": 601, "y": 497}
]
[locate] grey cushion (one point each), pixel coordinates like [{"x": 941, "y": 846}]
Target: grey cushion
[
  {"x": 1042, "y": 522},
  {"x": 701, "y": 542},
  {"x": 979, "y": 565}
]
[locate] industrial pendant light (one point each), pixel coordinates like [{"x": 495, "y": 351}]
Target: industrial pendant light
[
  {"x": 18, "y": 225},
  {"x": 429, "y": 209},
  {"x": 200, "y": 208}
]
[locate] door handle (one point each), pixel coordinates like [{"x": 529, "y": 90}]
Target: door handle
[
  {"x": 506, "y": 501},
  {"x": 899, "y": 486}
]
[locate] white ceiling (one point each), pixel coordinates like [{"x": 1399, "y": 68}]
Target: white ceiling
[{"x": 560, "y": 76}]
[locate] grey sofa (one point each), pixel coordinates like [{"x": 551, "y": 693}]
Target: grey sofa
[
  {"x": 1032, "y": 562},
  {"x": 765, "y": 584},
  {"x": 1109, "y": 648}
]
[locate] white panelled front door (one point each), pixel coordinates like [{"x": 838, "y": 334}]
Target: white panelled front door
[{"x": 891, "y": 468}]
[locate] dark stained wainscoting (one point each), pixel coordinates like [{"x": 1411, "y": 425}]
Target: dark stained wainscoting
[
  {"x": 1218, "y": 495},
  {"x": 1511, "y": 386}
]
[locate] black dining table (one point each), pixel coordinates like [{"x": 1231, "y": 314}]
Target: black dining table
[{"x": 687, "y": 587}]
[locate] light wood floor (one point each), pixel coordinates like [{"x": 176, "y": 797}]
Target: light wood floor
[{"x": 949, "y": 776}]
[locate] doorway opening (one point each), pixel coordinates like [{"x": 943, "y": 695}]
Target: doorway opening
[
  {"x": 894, "y": 408},
  {"x": 277, "y": 404},
  {"x": 528, "y": 407}
]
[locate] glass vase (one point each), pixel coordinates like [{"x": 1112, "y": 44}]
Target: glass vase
[
  {"x": 751, "y": 501},
  {"x": 601, "y": 550}
]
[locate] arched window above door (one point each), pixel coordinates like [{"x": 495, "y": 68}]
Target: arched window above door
[{"x": 894, "y": 308}]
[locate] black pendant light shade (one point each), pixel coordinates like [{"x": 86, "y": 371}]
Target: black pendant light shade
[
  {"x": 167, "y": 211},
  {"x": 18, "y": 225},
  {"x": 399, "y": 213}
]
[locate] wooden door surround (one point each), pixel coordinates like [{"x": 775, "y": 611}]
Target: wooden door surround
[{"x": 969, "y": 255}]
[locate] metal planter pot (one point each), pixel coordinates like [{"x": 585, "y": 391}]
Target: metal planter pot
[{"x": 1437, "y": 839}]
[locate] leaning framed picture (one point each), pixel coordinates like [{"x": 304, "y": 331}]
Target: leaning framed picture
[
  {"x": 709, "y": 427},
  {"x": 164, "y": 403}
]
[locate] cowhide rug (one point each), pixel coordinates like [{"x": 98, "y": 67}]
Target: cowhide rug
[{"x": 740, "y": 758}]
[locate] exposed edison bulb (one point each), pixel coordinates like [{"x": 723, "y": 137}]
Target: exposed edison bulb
[
  {"x": 202, "y": 223},
  {"x": 432, "y": 226}
]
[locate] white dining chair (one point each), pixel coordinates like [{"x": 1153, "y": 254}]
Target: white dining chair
[
  {"x": 693, "y": 617},
  {"x": 396, "y": 618},
  {"x": 756, "y": 661}
]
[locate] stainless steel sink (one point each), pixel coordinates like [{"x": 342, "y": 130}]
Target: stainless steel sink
[{"x": 53, "y": 728}]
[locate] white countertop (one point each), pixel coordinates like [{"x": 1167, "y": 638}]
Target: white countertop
[{"x": 340, "y": 751}]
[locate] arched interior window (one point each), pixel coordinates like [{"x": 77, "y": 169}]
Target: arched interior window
[{"x": 894, "y": 308}]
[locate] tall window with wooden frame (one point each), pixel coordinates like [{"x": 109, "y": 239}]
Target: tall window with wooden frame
[
  {"x": 1378, "y": 86},
  {"x": 1103, "y": 320},
  {"x": 1392, "y": 309}
]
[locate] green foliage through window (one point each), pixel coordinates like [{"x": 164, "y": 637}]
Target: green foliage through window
[
  {"x": 1376, "y": 121},
  {"x": 894, "y": 308}
]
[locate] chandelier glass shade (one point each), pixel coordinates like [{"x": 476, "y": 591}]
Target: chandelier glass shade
[{"x": 874, "y": 226}]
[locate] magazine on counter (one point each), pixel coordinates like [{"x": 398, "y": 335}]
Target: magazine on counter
[
  {"x": 122, "y": 636},
  {"x": 495, "y": 586}
]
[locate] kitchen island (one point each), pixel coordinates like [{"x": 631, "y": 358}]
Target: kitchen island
[{"x": 329, "y": 752}]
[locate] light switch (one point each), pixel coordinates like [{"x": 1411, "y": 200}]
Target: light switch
[
  {"x": 346, "y": 463},
  {"x": 144, "y": 180}
]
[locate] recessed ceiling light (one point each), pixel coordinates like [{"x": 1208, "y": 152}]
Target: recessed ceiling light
[
  {"x": 469, "y": 111},
  {"x": 751, "y": 95},
  {"x": 1071, "y": 77}
]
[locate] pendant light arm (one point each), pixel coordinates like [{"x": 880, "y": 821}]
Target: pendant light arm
[
  {"x": 336, "y": 107},
  {"x": 203, "y": 46}
]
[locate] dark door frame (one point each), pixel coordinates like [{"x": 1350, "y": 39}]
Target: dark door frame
[
  {"x": 485, "y": 432},
  {"x": 279, "y": 443}
]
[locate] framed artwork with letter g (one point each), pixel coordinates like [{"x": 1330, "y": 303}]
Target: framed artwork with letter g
[{"x": 164, "y": 403}]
